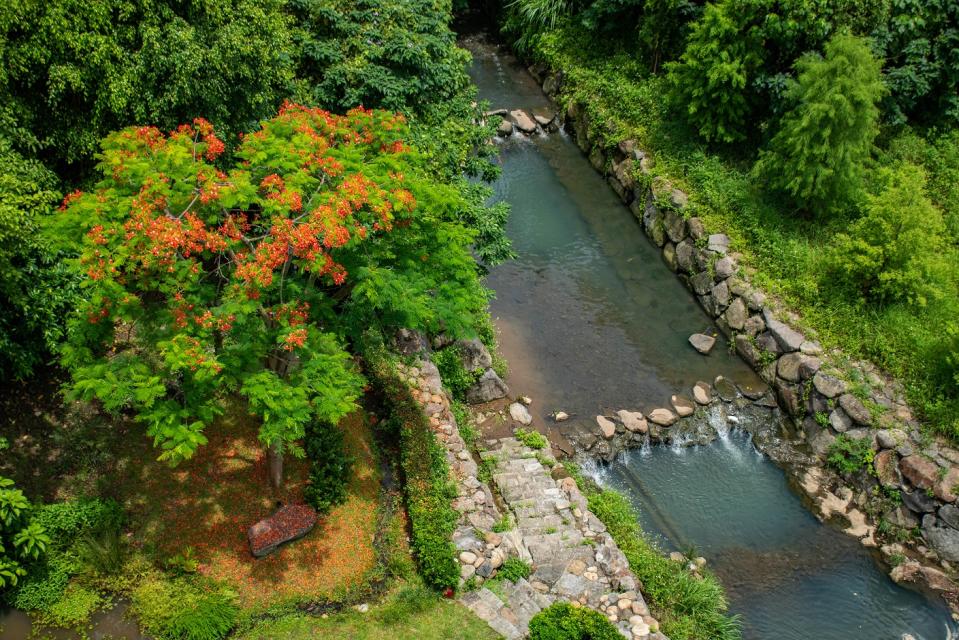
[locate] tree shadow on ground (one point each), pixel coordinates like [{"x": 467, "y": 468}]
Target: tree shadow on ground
[{"x": 205, "y": 504}]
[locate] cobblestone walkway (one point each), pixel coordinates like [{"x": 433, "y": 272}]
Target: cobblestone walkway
[{"x": 572, "y": 556}]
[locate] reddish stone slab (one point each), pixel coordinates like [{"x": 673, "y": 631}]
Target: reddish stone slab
[{"x": 287, "y": 524}]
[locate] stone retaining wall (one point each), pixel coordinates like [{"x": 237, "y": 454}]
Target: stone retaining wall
[
  {"x": 572, "y": 556},
  {"x": 824, "y": 393}
]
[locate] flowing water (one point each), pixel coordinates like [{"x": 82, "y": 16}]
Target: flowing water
[
  {"x": 790, "y": 577},
  {"x": 591, "y": 319}
]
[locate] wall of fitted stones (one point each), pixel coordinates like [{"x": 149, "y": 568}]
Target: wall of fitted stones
[{"x": 824, "y": 393}]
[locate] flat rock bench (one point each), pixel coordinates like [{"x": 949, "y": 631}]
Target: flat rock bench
[{"x": 287, "y": 524}]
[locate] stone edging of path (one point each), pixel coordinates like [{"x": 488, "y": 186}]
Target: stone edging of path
[
  {"x": 824, "y": 393},
  {"x": 572, "y": 556}
]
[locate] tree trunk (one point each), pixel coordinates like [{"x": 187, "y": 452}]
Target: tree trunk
[{"x": 274, "y": 456}]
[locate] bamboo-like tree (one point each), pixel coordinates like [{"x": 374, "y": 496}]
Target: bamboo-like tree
[{"x": 818, "y": 155}]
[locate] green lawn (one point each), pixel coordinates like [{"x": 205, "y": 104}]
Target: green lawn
[{"x": 409, "y": 614}]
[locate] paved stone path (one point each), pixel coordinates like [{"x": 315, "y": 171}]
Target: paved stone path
[{"x": 572, "y": 556}]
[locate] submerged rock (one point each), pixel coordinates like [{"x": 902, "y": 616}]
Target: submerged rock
[{"x": 725, "y": 389}]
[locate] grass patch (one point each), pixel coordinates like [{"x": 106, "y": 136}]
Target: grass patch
[
  {"x": 687, "y": 607},
  {"x": 410, "y": 613},
  {"x": 532, "y": 439},
  {"x": 206, "y": 505},
  {"x": 786, "y": 252}
]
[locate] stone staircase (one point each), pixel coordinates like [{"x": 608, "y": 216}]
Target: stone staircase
[{"x": 573, "y": 557}]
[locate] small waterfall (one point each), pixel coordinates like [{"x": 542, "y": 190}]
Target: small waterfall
[
  {"x": 646, "y": 449},
  {"x": 596, "y": 471},
  {"x": 678, "y": 445}
]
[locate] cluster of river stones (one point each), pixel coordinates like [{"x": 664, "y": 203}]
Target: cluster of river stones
[
  {"x": 571, "y": 555},
  {"x": 824, "y": 394},
  {"x": 524, "y": 122}
]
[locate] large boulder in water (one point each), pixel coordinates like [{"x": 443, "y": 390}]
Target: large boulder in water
[
  {"x": 288, "y": 523},
  {"x": 489, "y": 387}
]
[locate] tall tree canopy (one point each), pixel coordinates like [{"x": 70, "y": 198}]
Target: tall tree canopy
[
  {"x": 206, "y": 280},
  {"x": 818, "y": 155},
  {"x": 73, "y": 70},
  {"x": 35, "y": 289}
]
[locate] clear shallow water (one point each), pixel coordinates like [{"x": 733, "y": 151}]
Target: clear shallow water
[
  {"x": 589, "y": 316},
  {"x": 790, "y": 577},
  {"x": 591, "y": 319}
]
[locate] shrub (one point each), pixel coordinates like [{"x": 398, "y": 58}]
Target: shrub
[
  {"x": 23, "y": 539},
  {"x": 67, "y": 524},
  {"x": 514, "y": 569},
  {"x": 74, "y": 608},
  {"x": 329, "y": 466},
  {"x": 455, "y": 377},
  {"x": 849, "y": 455},
  {"x": 713, "y": 77},
  {"x": 563, "y": 621},
  {"x": 429, "y": 488},
  {"x": 532, "y": 439},
  {"x": 817, "y": 157},
  {"x": 184, "y": 610},
  {"x": 893, "y": 252}
]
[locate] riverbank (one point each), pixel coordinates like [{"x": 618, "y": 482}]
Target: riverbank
[{"x": 827, "y": 407}]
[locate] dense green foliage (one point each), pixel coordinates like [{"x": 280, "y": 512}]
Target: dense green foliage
[
  {"x": 35, "y": 288},
  {"x": 23, "y": 538},
  {"x": 750, "y": 48},
  {"x": 430, "y": 490},
  {"x": 74, "y": 71},
  {"x": 66, "y": 524},
  {"x": 399, "y": 56},
  {"x": 184, "y": 609},
  {"x": 330, "y": 466},
  {"x": 825, "y": 139},
  {"x": 893, "y": 253},
  {"x": 711, "y": 76},
  {"x": 563, "y": 621}
]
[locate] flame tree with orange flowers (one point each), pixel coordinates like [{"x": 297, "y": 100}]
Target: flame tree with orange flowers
[{"x": 208, "y": 278}]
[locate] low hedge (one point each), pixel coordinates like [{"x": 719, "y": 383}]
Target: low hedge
[
  {"x": 563, "y": 621},
  {"x": 429, "y": 489}
]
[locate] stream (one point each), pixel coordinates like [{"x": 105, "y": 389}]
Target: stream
[{"x": 591, "y": 320}]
